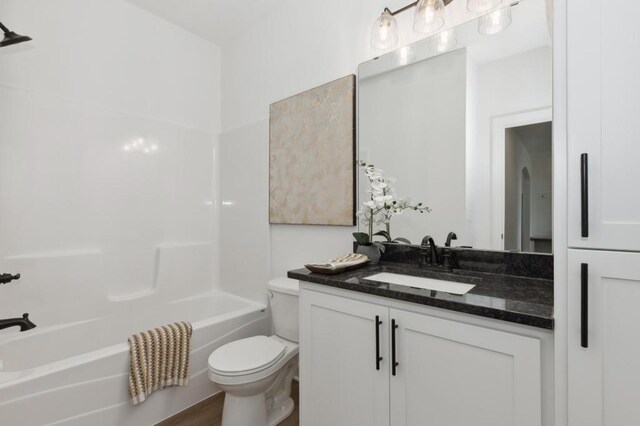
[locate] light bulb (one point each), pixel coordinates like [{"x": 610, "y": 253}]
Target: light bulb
[
  {"x": 495, "y": 22},
  {"x": 384, "y": 34},
  {"x": 481, "y": 6},
  {"x": 428, "y": 16}
]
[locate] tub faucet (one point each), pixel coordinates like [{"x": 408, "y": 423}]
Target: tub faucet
[{"x": 24, "y": 323}]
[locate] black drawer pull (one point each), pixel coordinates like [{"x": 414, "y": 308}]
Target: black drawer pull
[
  {"x": 394, "y": 363},
  {"x": 378, "y": 357},
  {"x": 584, "y": 305},
  {"x": 584, "y": 196}
]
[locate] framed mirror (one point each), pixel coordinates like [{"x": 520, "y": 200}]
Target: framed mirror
[{"x": 462, "y": 121}]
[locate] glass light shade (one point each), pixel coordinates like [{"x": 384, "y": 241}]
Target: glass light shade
[
  {"x": 429, "y": 16},
  {"x": 444, "y": 41},
  {"x": 480, "y": 6},
  {"x": 495, "y": 22},
  {"x": 384, "y": 34}
]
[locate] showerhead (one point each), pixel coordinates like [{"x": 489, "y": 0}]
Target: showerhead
[{"x": 11, "y": 38}]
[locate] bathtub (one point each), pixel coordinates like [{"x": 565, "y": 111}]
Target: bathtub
[{"x": 75, "y": 373}]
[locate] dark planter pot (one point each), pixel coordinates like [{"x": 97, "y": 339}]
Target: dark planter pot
[{"x": 372, "y": 252}]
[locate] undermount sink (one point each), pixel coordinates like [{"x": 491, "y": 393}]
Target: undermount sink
[{"x": 420, "y": 282}]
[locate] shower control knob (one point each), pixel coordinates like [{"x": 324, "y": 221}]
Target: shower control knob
[{"x": 7, "y": 278}]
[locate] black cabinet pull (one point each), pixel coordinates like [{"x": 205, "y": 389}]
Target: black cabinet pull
[
  {"x": 584, "y": 196},
  {"x": 394, "y": 364},
  {"x": 378, "y": 357},
  {"x": 584, "y": 305}
]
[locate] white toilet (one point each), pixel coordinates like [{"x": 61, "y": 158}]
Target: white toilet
[{"x": 256, "y": 372}]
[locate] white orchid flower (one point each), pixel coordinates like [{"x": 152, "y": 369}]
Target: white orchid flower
[
  {"x": 371, "y": 204},
  {"x": 378, "y": 185}
]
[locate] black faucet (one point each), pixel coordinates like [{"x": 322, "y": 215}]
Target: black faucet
[
  {"x": 450, "y": 236},
  {"x": 24, "y": 323},
  {"x": 432, "y": 254}
]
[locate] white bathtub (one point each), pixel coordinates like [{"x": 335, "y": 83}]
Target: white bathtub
[{"x": 76, "y": 373}]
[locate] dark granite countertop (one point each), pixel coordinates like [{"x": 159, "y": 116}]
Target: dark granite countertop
[{"x": 521, "y": 300}]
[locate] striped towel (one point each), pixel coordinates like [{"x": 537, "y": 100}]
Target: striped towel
[{"x": 159, "y": 359}]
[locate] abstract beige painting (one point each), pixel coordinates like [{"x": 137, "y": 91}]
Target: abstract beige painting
[{"x": 312, "y": 156}]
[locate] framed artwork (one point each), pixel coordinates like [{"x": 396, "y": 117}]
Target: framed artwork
[{"x": 312, "y": 156}]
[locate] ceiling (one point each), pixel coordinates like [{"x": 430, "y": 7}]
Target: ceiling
[{"x": 215, "y": 20}]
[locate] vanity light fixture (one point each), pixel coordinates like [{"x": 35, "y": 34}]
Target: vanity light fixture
[
  {"x": 384, "y": 34},
  {"x": 428, "y": 18},
  {"x": 11, "y": 38},
  {"x": 495, "y": 22}
]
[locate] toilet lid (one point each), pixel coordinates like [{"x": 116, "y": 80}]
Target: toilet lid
[{"x": 246, "y": 356}]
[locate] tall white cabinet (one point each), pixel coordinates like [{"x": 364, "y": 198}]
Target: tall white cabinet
[
  {"x": 603, "y": 115},
  {"x": 603, "y": 212},
  {"x": 604, "y": 341}
]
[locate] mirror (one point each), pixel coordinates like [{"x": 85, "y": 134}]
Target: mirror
[{"x": 462, "y": 121}]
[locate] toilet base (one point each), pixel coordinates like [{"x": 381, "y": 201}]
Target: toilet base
[
  {"x": 278, "y": 414},
  {"x": 244, "y": 410}
]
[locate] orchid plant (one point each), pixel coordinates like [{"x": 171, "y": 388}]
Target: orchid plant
[{"x": 382, "y": 206}]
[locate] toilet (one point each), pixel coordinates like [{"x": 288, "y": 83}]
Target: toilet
[{"x": 256, "y": 372}]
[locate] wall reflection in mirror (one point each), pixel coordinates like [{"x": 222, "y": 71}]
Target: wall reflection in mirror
[{"x": 464, "y": 126}]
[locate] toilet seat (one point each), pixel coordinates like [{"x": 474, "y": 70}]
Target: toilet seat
[
  {"x": 246, "y": 356},
  {"x": 219, "y": 375}
]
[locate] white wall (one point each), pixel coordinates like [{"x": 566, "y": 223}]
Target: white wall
[
  {"x": 507, "y": 86},
  {"x": 298, "y": 46},
  {"x": 412, "y": 124},
  {"x": 82, "y": 218}
]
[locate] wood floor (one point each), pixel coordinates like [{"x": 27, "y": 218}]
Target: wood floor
[{"x": 209, "y": 412}]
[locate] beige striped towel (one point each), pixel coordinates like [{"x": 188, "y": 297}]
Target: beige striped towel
[{"x": 159, "y": 359}]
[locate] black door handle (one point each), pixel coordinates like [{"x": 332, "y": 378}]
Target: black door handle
[
  {"x": 584, "y": 305},
  {"x": 378, "y": 357},
  {"x": 584, "y": 194},
  {"x": 394, "y": 363}
]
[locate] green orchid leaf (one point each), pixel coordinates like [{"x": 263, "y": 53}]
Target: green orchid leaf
[
  {"x": 384, "y": 234},
  {"x": 362, "y": 238}
]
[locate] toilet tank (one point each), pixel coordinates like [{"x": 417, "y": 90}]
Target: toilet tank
[{"x": 284, "y": 307}]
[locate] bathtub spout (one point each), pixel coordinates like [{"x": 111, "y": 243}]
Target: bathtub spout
[{"x": 24, "y": 323}]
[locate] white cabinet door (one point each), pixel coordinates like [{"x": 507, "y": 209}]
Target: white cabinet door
[
  {"x": 604, "y": 377},
  {"x": 339, "y": 380},
  {"x": 603, "y": 95},
  {"x": 455, "y": 374}
]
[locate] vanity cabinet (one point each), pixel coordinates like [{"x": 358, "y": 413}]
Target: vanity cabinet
[
  {"x": 342, "y": 385},
  {"x": 447, "y": 372},
  {"x": 604, "y": 338},
  {"x": 603, "y": 100}
]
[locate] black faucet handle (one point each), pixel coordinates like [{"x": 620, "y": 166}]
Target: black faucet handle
[
  {"x": 7, "y": 278},
  {"x": 447, "y": 261},
  {"x": 29, "y": 323}
]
